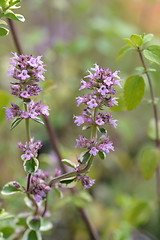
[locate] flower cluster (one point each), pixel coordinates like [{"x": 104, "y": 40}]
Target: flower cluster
[
  {"x": 34, "y": 110},
  {"x": 39, "y": 185},
  {"x": 86, "y": 181},
  {"x": 102, "y": 85},
  {"x": 30, "y": 149},
  {"x": 94, "y": 146},
  {"x": 28, "y": 71}
]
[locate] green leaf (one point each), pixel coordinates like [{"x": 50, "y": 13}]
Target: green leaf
[
  {"x": 151, "y": 132},
  {"x": 133, "y": 91},
  {"x": 39, "y": 120},
  {"x": 102, "y": 155},
  {"x": 67, "y": 180},
  {"x": 137, "y": 40},
  {"x": 152, "y": 53},
  {"x": 3, "y": 31},
  {"x": 58, "y": 192},
  {"x": 69, "y": 163},
  {"x": 15, "y": 123},
  {"x": 9, "y": 188},
  {"x": 103, "y": 131},
  {"x": 7, "y": 231},
  {"x": 85, "y": 157},
  {"x": 123, "y": 51},
  {"x": 34, "y": 223},
  {"x": 149, "y": 162},
  {"x": 147, "y": 38},
  {"x": 3, "y": 22},
  {"x": 46, "y": 225},
  {"x": 10, "y": 14},
  {"x": 129, "y": 42},
  {"x": 20, "y": 17},
  {"x": 4, "y": 3},
  {"x": 32, "y": 235},
  {"x": 21, "y": 219},
  {"x": 31, "y": 166},
  {"x": 4, "y": 215}
]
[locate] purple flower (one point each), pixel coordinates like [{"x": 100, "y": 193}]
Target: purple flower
[
  {"x": 79, "y": 120},
  {"x": 28, "y": 155},
  {"x": 92, "y": 103},
  {"x": 93, "y": 151},
  {"x": 24, "y": 75},
  {"x": 86, "y": 181}
]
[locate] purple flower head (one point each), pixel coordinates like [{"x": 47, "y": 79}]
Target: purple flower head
[
  {"x": 39, "y": 185},
  {"x": 26, "y": 69},
  {"x": 86, "y": 181}
]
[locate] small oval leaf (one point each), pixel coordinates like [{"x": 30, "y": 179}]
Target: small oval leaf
[
  {"x": 31, "y": 166},
  {"x": 3, "y": 31},
  {"x": 69, "y": 163},
  {"x": 11, "y": 188},
  {"x": 133, "y": 91},
  {"x": 34, "y": 223}
]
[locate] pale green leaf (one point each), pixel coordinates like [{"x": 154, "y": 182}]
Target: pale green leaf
[
  {"x": 133, "y": 91},
  {"x": 152, "y": 53},
  {"x": 69, "y": 163},
  {"x": 10, "y": 188},
  {"x": 31, "y": 166},
  {"x": 137, "y": 40},
  {"x": 123, "y": 51},
  {"x": 147, "y": 38},
  {"x": 3, "y": 31}
]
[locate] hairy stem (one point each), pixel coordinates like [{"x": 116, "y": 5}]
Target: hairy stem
[{"x": 156, "y": 123}]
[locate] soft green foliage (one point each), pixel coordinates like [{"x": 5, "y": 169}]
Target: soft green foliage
[
  {"x": 9, "y": 189},
  {"x": 7, "y": 231},
  {"x": 4, "y": 215},
  {"x": 34, "y": 223},
  {"x": 38, "y": 120},
  {"x": 134, "y": 91},
  {"x": 135, "y": 42},
  {"x": 46, "y": 225},
  {"x": 152, "y": 53},
  {"x": 85, "y": 157},
  {"x": 15, "y": 123},
  {"x": 149, "y": 162},
  {"x": 31, "y": 234},
  {"x": 31, "y": 166},
  {"x": 67, "y": 180},
  {"x": 6, "y": 7},
  {"x": 69, "y": 163}
]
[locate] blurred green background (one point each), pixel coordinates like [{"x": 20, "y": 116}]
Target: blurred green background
[{"x": 72, "y": 35}]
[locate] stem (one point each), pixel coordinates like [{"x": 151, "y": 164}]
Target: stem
[
  {"x": 15, "y": 36},
  {"x": 156, "y": 123},
  {"x": 34, "y": 203},
  {"x": 45, "y": 206}
]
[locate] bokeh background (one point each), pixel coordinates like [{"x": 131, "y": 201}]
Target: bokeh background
[{"x": 72, "y": 35}]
